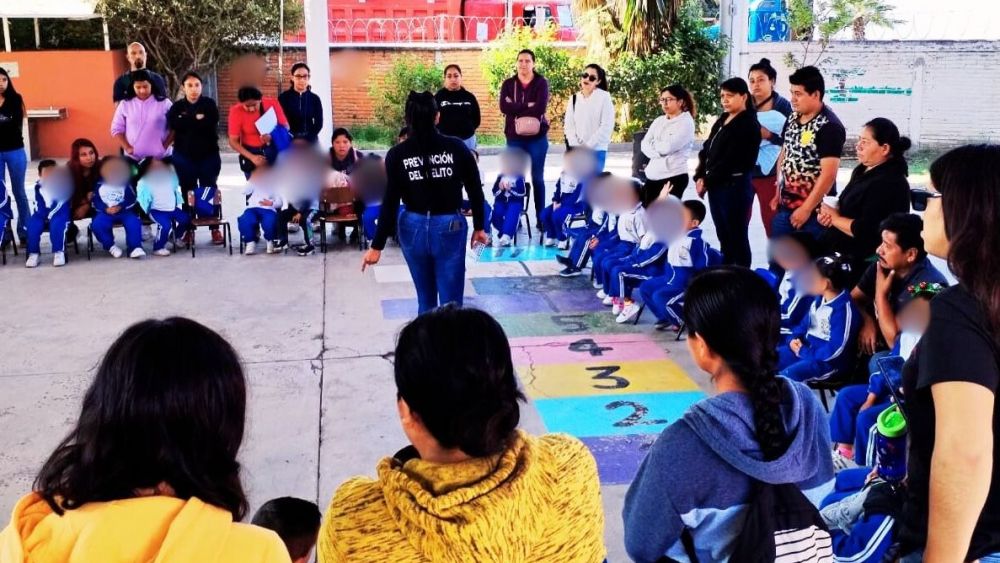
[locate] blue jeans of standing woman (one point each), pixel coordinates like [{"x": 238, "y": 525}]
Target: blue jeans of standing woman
[
  {"x": 434, "y": 249},
  {"x": 730, "y": 206},
  {"x": 537, "y": 149},
  {"x": 16, "y": 164}
]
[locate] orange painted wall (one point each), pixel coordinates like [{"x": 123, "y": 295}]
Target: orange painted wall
[{"x": 79, "y": 81}]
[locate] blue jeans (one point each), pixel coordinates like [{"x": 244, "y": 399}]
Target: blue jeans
[
  {"x": 193, "y": 173},
  {"x": 536, "y": 149},
  {"x": 782, "y": 224},
  {"x": 730, "y": 206},
  {"x": 16, "y": 162},
  {"x": 601, "y": 158},
  {"x": 434, "y": 249}
]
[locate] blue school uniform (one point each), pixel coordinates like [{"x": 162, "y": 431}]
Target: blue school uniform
[
  {"x": 123, "y": 197},
  {"x": 600, "y": 225},
  {"x": 508, "y": 204},
  {"x": 859, "y": 534},
  {"x": 258, "y": 214},
  {"x": 637, "y": 267},
  {"x": 53, "y": 209},
  {"x": 569, "y": 196},
  {"x": 631, "y": 227},
  {"x": 664, "y": 294},
  {"x": 794, "y": 305},
  {"x": 6, "y": 213},
  {"x": 163, "y": 202},
  {"x": 829, "y": 336}
]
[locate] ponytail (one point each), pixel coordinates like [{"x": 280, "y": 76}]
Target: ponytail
[
  {"x": 421, "y": 112},
  {"x": 687, "y": 101}
]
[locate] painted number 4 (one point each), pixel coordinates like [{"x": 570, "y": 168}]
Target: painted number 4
[
  {"x": 588, "y": 345},
  {"x": 637, "y": 418}
]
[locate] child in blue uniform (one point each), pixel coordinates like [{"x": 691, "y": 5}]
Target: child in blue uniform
[
  {"x": 825, "y": 342},
  {"x": 509, "y": 191},
  {"x": 566, "y": 202},
  {"x": 6, "y": 215},
  {"x": 159, "y": 196},
  {"x": 600, "y": 227},
  {"x": 632, "y": 228},
  {"x": 793, "y": 252},
  {"x": 115, "y": 204},
  {"x": 53, "y": 192},
  {"x": 664, "y": 294},
  {"x": 263, "y": 203}
]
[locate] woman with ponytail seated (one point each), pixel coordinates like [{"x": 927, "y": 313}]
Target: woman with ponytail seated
[
  {"x": 471, "y": 487},
  {"x": 692, "y": 492}
]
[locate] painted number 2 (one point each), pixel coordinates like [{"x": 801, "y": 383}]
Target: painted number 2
[
  {"x": 639, "y": 412},
  {"x": 604, "y": 373}
]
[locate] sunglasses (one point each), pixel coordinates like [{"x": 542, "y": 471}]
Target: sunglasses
[
  {"x": 920, "y": 196},
  {"x": 588, "y": 76}
]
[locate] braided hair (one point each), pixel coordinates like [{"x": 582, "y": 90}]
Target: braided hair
[{"x": 736, "y": 313}]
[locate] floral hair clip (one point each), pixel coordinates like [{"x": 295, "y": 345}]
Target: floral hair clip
[{"x": 923, "y": 288}]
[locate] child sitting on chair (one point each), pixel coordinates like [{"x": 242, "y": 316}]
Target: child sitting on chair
[
  {"x": 6, "y": 215},
  {"x": 794, "y": 252},
  {"x": 263, "y": 203},
  {"x": 160, "y": 197},
  {"x": 686, "y": 256},
  {"x": 115, "y": 204},
  {"x": 825, "y": 342},
  {"x": 631, "y": 227},
  {"x": 568, "y": 199},
  {"x": 53, "y": 192},
  {"x": 509, "y": 191}
]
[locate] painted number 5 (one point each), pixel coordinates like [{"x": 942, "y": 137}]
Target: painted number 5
[{"x": 639, "y": 412}]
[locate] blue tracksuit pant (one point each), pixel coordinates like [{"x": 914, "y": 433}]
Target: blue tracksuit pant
[
  {"x": 252, "y": 217},
  {"x": 553, "y": 220},
  {"x": 664, "y": 295},
  {"x": 507, "y": 215},
  {"x": 57, "y": 223},
  {"x": 793, "y": 367},
  {"x": 165, "y": 221},
  {"x": 103, "y": 228},
  {"x": 605, "y": 257}
]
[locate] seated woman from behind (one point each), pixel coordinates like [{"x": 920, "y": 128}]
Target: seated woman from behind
[{"x": 471, "y": 487}]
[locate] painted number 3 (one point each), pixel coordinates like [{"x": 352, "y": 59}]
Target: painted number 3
[
  {"x": 604, "y": 373},
  {"x": 637, "y": 417}
]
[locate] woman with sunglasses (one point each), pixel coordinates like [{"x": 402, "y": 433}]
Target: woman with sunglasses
[
  {"x": 668, "y": 142},
  {"x": 878, "y": 188},
  {"x": 590, "y": 115}
]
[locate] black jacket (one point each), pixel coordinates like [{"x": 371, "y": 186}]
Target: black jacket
[
  {"x": 11, "y": 125},
  {"x": 730, "y": 150},
  {"x": 304, "y": 112},
  {"x": 428, "y": 176},
  {"x": 869, "y": 198},
  {"x": 195, "y": 138},
  {"x": 459, "y": 113},
  {"x": 123, "y": 86}
]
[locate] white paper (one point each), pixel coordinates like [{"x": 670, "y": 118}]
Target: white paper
[
  {"x": 773, "y": 121},
  {"x": 267, "y": 122}
]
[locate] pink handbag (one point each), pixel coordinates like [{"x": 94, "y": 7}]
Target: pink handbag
[{"x": 526, "y": 126}]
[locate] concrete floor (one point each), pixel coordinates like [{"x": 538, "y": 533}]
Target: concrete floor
[{"x": 322, "y": 397}]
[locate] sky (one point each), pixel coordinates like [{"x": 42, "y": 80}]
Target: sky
[{"x": 937, "y": 19}]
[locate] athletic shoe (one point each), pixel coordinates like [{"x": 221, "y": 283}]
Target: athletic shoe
[
  {"x": 570, "y": 272},
  {"x": 217, "y": 238},
  {"x": 497, "y": 241},
  {"x": 548, "y": 241},
  {"x": 116, "y": 252},
  {"x": 59, "y": 259},
  {"x": 563, "y": 244},
  {"x": 664, "y": 326},
  {"x": 840, "y": 462},
  {"x": 629, "y": 313},
  {"x": 598, "y": 284},
  {"x": 161, "y": 252},
  {"x": 270, "y": 247},
  {"x": 608, "y": 301},
  {"x": 564, "y": 260},
  {"x": 138, "y": 253},
  {"x": 32, "y": 261},
  {"x": 617, "y": 305},
  {"x": 147, "y": 233},
  {"x": 305, "y": 250},
  {"x": 505, "y": 240},
  {"x": 188, "y": 238},
  {"x": 251, "y": 248},
  {"x": 279, "y": 246},
  {"x": 601, "y": 294}
]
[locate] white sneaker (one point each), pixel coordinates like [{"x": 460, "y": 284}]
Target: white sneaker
[
  {"x": 616, "y": 306},
  {"x": 505, "y": 240},
  {"x": 598, "y": 284},
  {"x": 628, "y": 314},
  {"x": 116, "y": 252},
  {"x": 270, "y": 247},
  {"x": 251, "y": 248},
  {"x": 32, "y": 261},
  {"x": 564, "y": 244},
  {"x": 548, "y": 241},
  {"x": 497, "y": 241},
  {"x": 59, "y": 259},
  {"x": 161, "y": 252},
  {"x": 137, "y": 254},
  {"x": 147, "y": 233},
  {"x": 601, "y": 294},
  {"x": 607, "y": 301}
]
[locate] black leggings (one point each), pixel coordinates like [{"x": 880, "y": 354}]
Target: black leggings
[{"x": 652, "y": 188}]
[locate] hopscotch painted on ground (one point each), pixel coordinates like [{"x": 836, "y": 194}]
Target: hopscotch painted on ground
[{"x": 613, "y": 386}]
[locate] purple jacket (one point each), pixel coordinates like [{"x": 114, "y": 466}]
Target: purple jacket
[
  {"x": 537, "y": 91},
  {"x": 144, "y": 124}
]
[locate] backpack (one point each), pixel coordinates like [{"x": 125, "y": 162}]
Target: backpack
[{"x": 782, "y": 526}]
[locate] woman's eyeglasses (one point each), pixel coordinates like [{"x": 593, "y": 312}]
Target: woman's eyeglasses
[
  {"x": 589, "y": 77},
  {"x": 665, "y": 99},
  {"x": 300, "y": 76},
  {"x": 920, "y": 196}
]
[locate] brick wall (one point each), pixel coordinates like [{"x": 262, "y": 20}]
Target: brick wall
[
  {"x": 353, "y": 71},
  {"x": 937, "y": 92}
]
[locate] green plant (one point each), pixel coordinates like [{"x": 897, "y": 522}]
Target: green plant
[
  {"x": 815, "y": 22},
  {"x": 688, "y": 57},
  {"x": 637, "y": 26},
  {"x": 407, "y": 73},
  {"x": 181, "y": 35}
]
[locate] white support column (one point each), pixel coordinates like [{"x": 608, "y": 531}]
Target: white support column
[
  {"x": 38, "y": 35},
  {"x": 6, "y": 35},
  {"x": 107, "y": 34},
  {"x": 734, "y": 21},
  {"x": 917, "y": 101},
  {"x": 318, "y": 59}
]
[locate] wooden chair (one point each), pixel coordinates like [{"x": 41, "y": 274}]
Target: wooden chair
[
  {"x": 332, "y": 204},
  {"x": 214, "y": 221}
]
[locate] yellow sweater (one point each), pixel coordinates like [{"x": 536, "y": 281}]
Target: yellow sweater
[
  {"x": 144, "y": 530},
  {"x": 538, "y": 501}
]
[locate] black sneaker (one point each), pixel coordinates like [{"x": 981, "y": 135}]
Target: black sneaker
[
  {"x": 305, "y": 250},
  {"x": 279, "y": 246},
  {"x": 564, "y": 260},
  {"x": 570, "y": 272}
]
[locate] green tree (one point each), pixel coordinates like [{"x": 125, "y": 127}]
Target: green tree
[
  {"x": 407, "y": 73},
  {"x": 859, "y": 14},
  {"x": 641, "y": 26},
  {"x": 814, "y": 23},
  {"x": 183, "y": 35}
]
